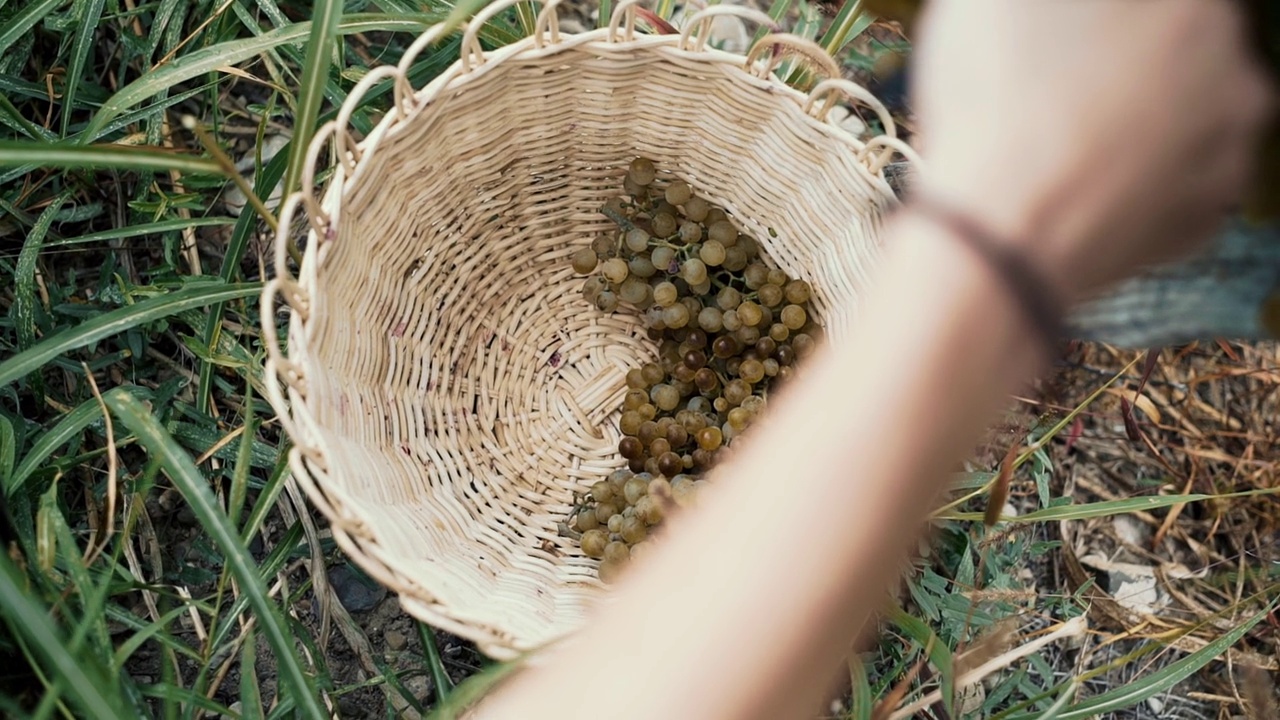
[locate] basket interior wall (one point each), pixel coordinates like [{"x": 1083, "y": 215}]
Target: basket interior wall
[{"x": 460, "y": 383}]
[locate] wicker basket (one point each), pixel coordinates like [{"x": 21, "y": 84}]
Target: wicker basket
[{"x": 447, "y": 389}]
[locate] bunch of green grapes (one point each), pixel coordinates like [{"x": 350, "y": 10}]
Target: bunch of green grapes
[
  {"x": 728, "y": 328},
  {"x": 616, "y": 520}
]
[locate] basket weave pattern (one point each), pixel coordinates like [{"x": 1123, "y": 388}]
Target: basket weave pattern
[{"x": 447, "y": 388}]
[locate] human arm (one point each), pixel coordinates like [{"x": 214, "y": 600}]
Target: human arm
[{"x": 745, "y": 607}]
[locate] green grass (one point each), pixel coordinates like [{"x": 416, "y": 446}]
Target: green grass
[{"x": 102, "y": 191}]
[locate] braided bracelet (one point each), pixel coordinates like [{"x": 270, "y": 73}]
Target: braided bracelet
[{"x": 1033, "y": 294}]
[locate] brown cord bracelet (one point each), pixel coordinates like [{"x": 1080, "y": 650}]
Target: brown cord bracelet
[{"x": 1032, "y": 292}]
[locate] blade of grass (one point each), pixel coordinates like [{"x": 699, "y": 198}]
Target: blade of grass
[
  {"x": 119, "y": 320},
  {"x": 1107, "y": 508},
  {"x": 1149, "y": 685},
  {"x": 435, "y": 663},
  {"x": 85, "y": 679},
  {"x": 24, "y": 301},
  {"x": 848, "y": 24},
  {"x": 195, "y": 489},
  {"x": 120, "y": 157},
  {"x": 209, "y": 59},
  {"x": 25, "y": 20},
  {"x": 235, "y": 251},
  {"x": 68, "y": 427},
  {"x": 250, "y": 693},
  {"x": 325, "y": 16},
  {"x": 89, "y": 12}
]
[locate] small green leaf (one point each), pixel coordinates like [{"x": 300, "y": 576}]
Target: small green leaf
[{"x": 120, "y": 157}]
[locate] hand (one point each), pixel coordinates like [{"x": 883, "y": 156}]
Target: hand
[{"x": 1104, "y": 134}]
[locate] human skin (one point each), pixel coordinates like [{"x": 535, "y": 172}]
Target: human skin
[{"x": 1096, "y": 136}]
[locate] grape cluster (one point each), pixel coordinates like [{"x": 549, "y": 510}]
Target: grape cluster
[{"x": 728, "y": 328}]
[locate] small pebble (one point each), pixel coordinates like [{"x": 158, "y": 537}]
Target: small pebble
[
  {"x": 355, "y": 591},
  {"x": 396, "y": 639}
]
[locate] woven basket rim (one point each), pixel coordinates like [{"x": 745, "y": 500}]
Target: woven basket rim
[{"x": 351, "y": 528}]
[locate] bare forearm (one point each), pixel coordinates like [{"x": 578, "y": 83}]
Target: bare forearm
[{"x": 793, "y": 551}]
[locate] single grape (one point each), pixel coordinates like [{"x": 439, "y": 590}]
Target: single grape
[
  {"x": 732, "y": 364},
  {"x": 706, "y": 380},
  {"x": 634, "y": 399},
  {"x": 693, "y": 271},
  {"x": 794, "y": 317},
  {"x": 770, "y": 295},
  {"x": 712, "y": 253},
  {"x": 647, "y": 411},
  {"x": 641, "y": 171},
  {"x": 779, "y": 332},
  {"x": 735, "y": 258},
  {"x": 586, "y": 520},
  {"x": 665, "y": 295},
  {"x": 739, "y": 418},
  {"x": 637, "y": 240},
  {"x": 630, "y": 447},
  {"x": 662, "y": 257},
  {"x": 696, "y": 209},
  {"x": 592, "y": 287},
  {"x": 730, "y": 321},
  {"x": 778, "y": 277},
  {"x": 660, "y": 444},
  {"x": 607, "y": 301},
  {"x": 736, "y": 391},
  {"x": 648, "y": 431},
  {"x": 701, "y": 288},
  {"x": 697, "y": 339},
  {"x": 709, "y": 439},
  {"x": 684, "y": 388},
  {"x": 634, "y": 189},
  {"x": 677, "y": 436},
  {"x": 618, "y": 477},
  {"x": 766, "y": 346},
  {"x": 665, "y": 397},
  {"x": 593, "y": 542},
  {"x": 694, "y": 306},
  {"x": 615, "y": 270},
  {"x": 615, "y": 523},
  {"x": 635, "y": 379},
  {"x": 771, "y": 367},
  {"x": 652, "y": 373},
  {"x": 751, "y": 370},
  {"x": 617, "y": 551},
  {"x": 584, "y": 261},
  {"x": 766, "y": 318},
  {"x": 633, "y": 530},
  {"x": 602, "y": 491},
  {"x": 700, "y": 405},
  {"x": 710, "y": 319},
  {"x": 663, "y": 224},
  {"x": 729, "y": 433},
  {"x": 724, "y": 347},
  {"x": 603, "y": 246},
  {"x": 670, "y": 464},
  {"x": 676, "y": 316},
  {"x": 728, "y": 299},
  {"x": 634, "y": 291},
  {"x": 683, "y": 373},
  {"x": 747, "y": 336},
  {"x": 722, "y": 232},
  {"x": 630, "y": 422},
  {"x": 653, "y": 321},
  {"x": 803, "y": 345},
  {"x": 798, "y": 292},
  {"x": 611, "y": 572},
  {"x": 749, "y": 246},
  {"x": 755, "y": 275},
  {"x": 695, "y": 359},
  {"x": 606, "y": 510},
  {"x": 641, "y": 266},
  {"x": 649, "y": 510},
  {"x": 690, "y": 232},
  {"x": 678, "y": 192},
  {"x": 714, "y": 215},
  {"x": 750, "y": 314},
  {"x": 635, "y": 489},
  {"x": 786, "y": 355}
]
